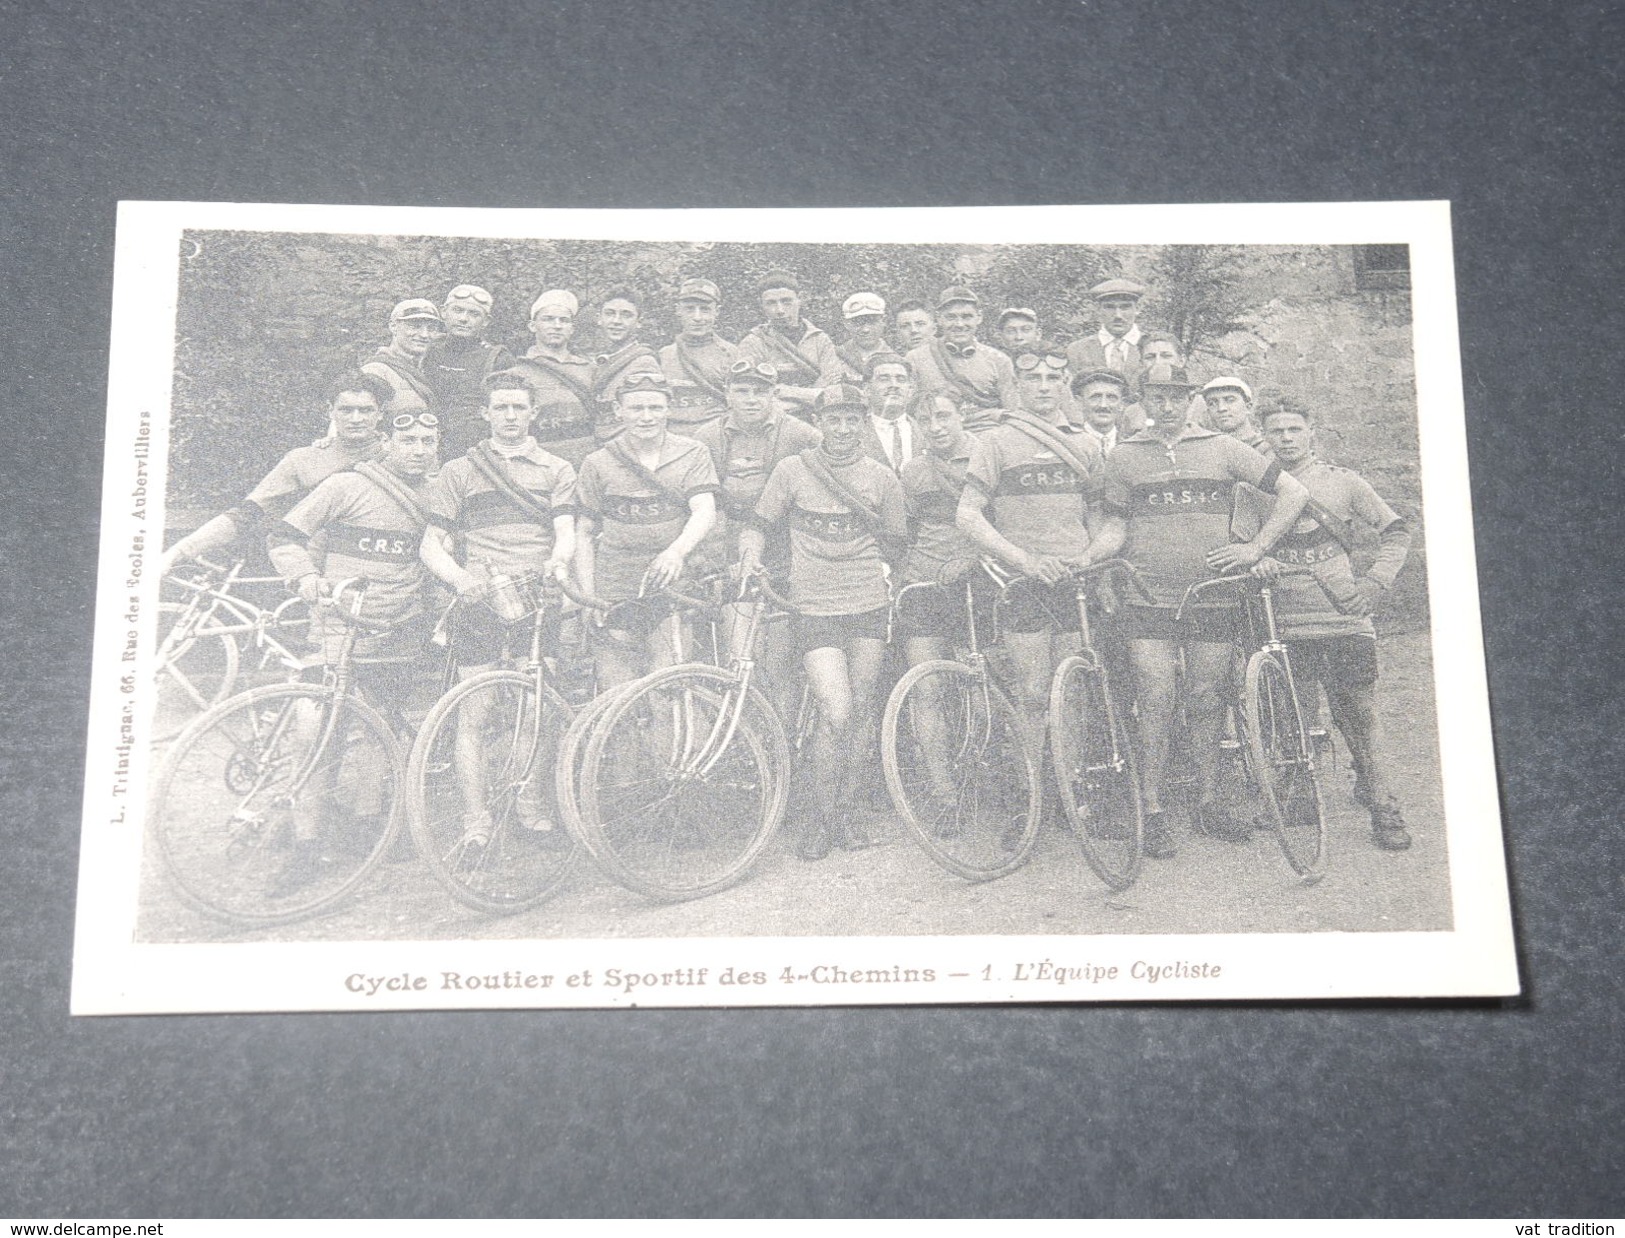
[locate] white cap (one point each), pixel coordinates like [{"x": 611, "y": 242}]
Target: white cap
[
  {"x": 560, "y": 297},
  {"x": 862, "y": 304},
  {"x": 1230, "y": 383}
]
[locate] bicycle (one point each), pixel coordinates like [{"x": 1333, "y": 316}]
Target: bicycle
[
  {"x": 481, "y": 767},
  {"x": 199, "y": 658},
  {"x": 239, "y": 779},
  {"x": 1090, "y": 751},
  {"x": 1277, "y": 745},
  {"x": 957, "y": 766},
  {"x": 684, "y": 775}
]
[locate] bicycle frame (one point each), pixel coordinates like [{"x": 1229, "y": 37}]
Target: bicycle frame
[{"x": 208, "y": 599}]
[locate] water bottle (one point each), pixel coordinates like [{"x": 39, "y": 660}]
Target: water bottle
[{"x": 505, "y": 598}]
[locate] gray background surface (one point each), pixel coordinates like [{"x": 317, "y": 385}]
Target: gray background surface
[{"x": 1453, "y": 1108}]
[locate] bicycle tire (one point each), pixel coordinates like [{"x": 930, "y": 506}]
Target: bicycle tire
[
  {"x": 1094, "y": 772},
  {"x": 193, "y": 674},
  {"x": 222, "y": 818},
  {"x": 517, "y": 746},
  {"x": 571, "y": 751},
  {"x": 1284, "y": 765},
  {"x": 674, "y": 805},
  {"x": 970, "y": 814}
]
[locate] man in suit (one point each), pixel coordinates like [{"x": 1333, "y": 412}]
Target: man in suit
[
  {"x": 889, "y": 435},
  {"x": 1115, "y": 344}
]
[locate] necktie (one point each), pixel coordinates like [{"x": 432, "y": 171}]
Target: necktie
[{"x": 896, "y": 446}]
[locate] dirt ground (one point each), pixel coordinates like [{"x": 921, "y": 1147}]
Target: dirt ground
[{"x": 894, "y": 888}]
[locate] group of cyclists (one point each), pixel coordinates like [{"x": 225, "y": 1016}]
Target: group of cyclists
[{"x": 915, "y": 452}]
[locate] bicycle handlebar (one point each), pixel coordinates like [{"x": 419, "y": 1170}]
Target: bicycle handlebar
[
  {"x": 351, "y": 614},
  {"x": 773, "y": 595},
  {"x": 1196, "y": 590},
  {"x": 586, "y": 600}
]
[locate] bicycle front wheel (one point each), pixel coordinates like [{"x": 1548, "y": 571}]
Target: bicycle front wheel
[
  {"x": 958, "y": 770},
  {"x": 483, "y": 810},
  {"x": 683, "y": 783},
  {"x": 276, "y": 803},
  {"x": 195, "y": 671},
  {"x": 1283, "y": 764},
  {"x": 1094, "y": 772}
]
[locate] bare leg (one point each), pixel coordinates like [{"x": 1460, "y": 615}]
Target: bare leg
[
  {"x": 1032, "y": 654},
  {"x": 828, "y": 678},
  {"x": 1155, "y": 682},
  {"x": 866, "y": 657}
]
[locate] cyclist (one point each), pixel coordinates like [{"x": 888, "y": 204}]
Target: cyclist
[
  {"x": 565, "y": 405},
  {"x": 1032, "y": 501},
  {"x": 804, "y": 356},
  {"x": 844, "y": 512},
  {"x": 1170, "y": 496},
  {"x": 1327, "y": 618},
  {"x": 1230, "y": 411},
  {"x": 414, "y": 324},
  {"x": 697, "y": 359},
  {"x": 619, "y": 320},
  {"x": 456, "y": 364},
  {"x": 503, "y": 510},
  {"x": 354, "y": 408},
  {"x": 939, "y": 552},
  {"x": 646, "y": 500},
  {"x": 745, "y": 445},
  {"x": 370, "y": 519}
]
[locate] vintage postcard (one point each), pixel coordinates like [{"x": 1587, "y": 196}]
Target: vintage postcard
[{"x": 510, "y": 608}]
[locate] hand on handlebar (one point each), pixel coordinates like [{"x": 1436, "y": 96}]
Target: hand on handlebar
[
  {"x": 1235, "y": 557},
  {"x": 1267, "y": 569},
  {"x": 1046, "y": 568},
  {"x": 309, "y": 589},
  {"x": 664, "y": 570}
]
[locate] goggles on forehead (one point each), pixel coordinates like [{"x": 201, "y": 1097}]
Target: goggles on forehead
[
  {"x": 1032, "y": 360},
  {"x": 405, "y": 421},
  {"x": 755, "y": 369}
]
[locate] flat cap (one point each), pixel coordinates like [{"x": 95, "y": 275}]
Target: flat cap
[
  {"x": 1117, "y": 288},
  {"x": 841, "y": 395},
  {"x": 415, "y": 307},
  {"x": 1017, "y": 311},
  {"x": 699, "y": 290},
  {"x": 1162, "y": 375},
  {"x": 958, "y": 292},
  {"x": 863, "y": 305},
  {"x": 1229, "y": 382},
  {"x": 558, "y": 298},
  {"x": 1099, "y": 376},
  {"x": 469, "y": 294}
]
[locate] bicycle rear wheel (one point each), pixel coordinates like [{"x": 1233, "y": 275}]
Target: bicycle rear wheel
[
  {"x": 257, "y": 773},
  {"x": 482, "y": 779},
  {"x": 1283, "y": 764},
  {"x": 194, "y": 671},
  {"x": 958, "y": 770},
  {"x": 683, "y": 782},
  {"x": 1094, "y": 771}
]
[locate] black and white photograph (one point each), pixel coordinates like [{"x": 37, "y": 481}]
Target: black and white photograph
[{"x": 552, "y": 608}]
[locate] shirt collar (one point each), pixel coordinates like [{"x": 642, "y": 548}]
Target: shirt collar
[{"x": 1131, "y": 337}]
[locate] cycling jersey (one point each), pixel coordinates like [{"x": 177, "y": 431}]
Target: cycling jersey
[
  {"x": 302, "y": 470},
  {"x": 743, "y": 460},
  {"x": 566, "y": 409},
  {"x": 1307, "y": 607},
  {"x": 931, "y": 487},
  {"x": 1036, "y": 499},
  {"x": 836, "y": 561},
  {"x": 496, "y": 532},
  {"x": 698, "y": 374},
  {"x": 637, "y": 520},
  {"x": 1179, "y": 501}
]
